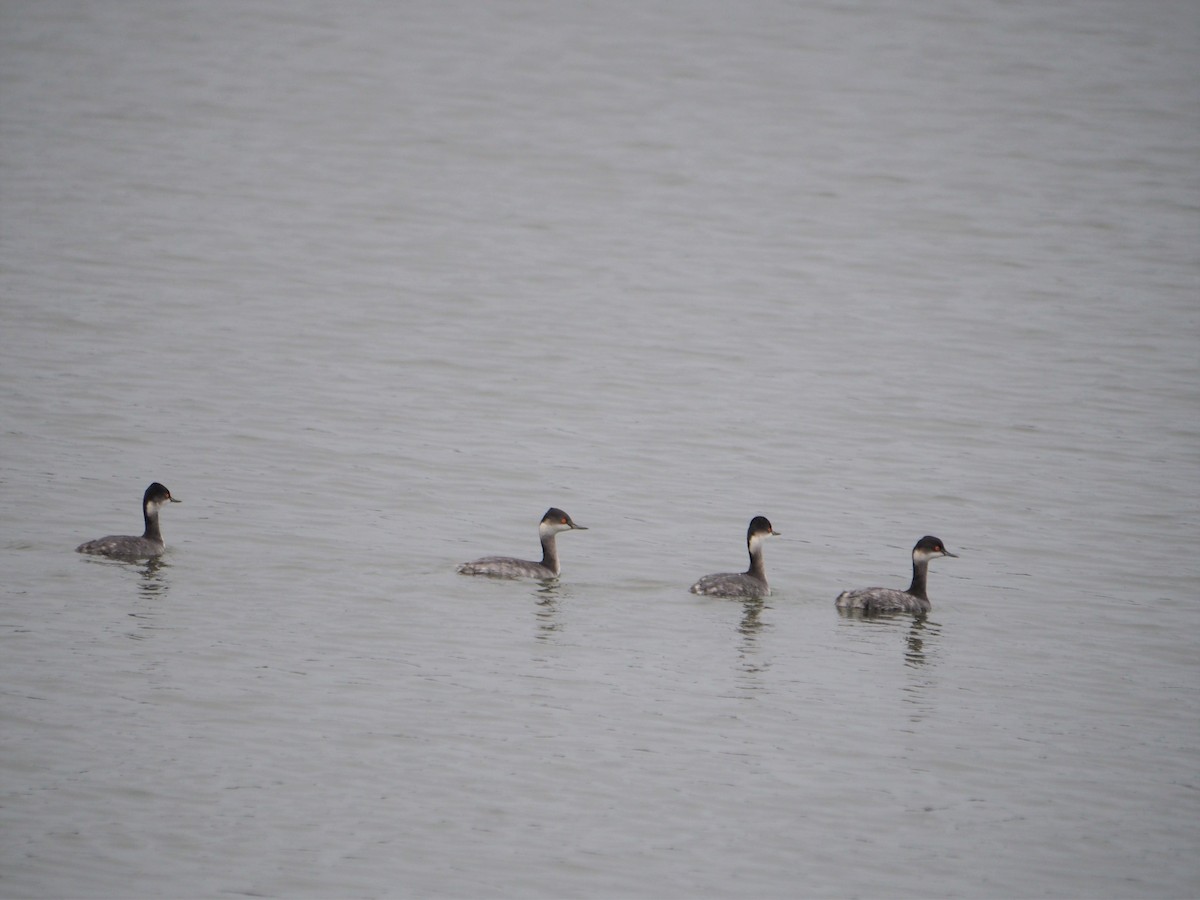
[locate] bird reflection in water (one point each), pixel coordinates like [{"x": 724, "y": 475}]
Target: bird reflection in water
[
  {"x": 920, "y": 630},
  {"x": 546, "y": 611},
  {"x": 914, "y": 654},
  {"x": 750, "y": 627},
  {"x": 152, "y": 585},
  {"x": 153, "y": 577},
  {"x": 751, "y": 623}
]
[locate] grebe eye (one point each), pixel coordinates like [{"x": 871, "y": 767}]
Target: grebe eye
[{"x": 564, "y": 521}]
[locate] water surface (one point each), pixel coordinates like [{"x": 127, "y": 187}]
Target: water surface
[{"x": 370, "y": 288}]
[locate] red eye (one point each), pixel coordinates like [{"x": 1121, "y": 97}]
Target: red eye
[{"x": 564, "y": 521}]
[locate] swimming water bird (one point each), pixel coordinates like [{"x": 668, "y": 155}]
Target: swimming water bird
[
  {"x": 748, "y": 585},
  {"x": 914, "y": 600},
  {"x": 127, "y": 546},
  {"x": 554, "y": 521}
]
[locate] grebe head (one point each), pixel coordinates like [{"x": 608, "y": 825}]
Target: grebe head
[
  {"x": 156, "y": 497},
  {"x": 555, "y": 520},
  {"x": 759, "y": 529},
  {"x": 928, "y": 548}
]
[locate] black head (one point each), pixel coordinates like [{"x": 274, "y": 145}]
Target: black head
[
  {"x": 929, "y": 546},
  {"x": 558, "y": 520},
  {"x": 761, "y": 527},
  {"x": 158, "y": 495}
]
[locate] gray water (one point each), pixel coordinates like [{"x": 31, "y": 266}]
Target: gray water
[{"x": 369, "y": 286}]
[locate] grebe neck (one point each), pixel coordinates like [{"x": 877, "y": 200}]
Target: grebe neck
[
  {"x": 757, "y": 568},
  {"x": 152, "y": 532},
  {"x": 550, "y": 553},
  {"x": 920, "y": 571}
]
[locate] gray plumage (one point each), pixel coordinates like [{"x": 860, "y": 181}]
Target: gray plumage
[
  {"x": 914, "y": 600},
  {"x": 553, "y": 522},
  {"x": 131, "y": 547},
  {"x": 748, "y": 585}
]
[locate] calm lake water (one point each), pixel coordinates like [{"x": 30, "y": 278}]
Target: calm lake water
[{"x": 369, "y": 286}]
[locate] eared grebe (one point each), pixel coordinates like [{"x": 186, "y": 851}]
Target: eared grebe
[
  {"x": 748, "y": 585},
  {"x": 914, "y": 600},
  {"x": 126, "y": 546},
  {"x": 554, "y": 521}
]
